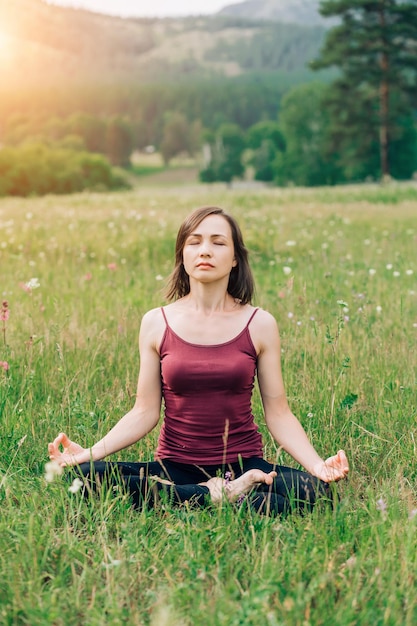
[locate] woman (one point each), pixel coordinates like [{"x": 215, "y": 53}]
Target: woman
[{"x": 200, "y": 355}]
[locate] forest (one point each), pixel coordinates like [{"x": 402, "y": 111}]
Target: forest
[{"x": 286, "y": 104}]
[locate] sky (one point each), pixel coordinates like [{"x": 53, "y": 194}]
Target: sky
[{"x": 148, "y": 8}]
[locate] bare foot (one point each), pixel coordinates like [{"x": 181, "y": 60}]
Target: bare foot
[{"x": 234, "y": 489}]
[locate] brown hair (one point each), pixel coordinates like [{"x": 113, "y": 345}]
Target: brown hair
[{"x": 241, "y": 284}]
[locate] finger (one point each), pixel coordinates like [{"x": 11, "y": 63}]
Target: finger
[
  {"x": 65, "y": 440},
  {"x": 344, "y": 463}
]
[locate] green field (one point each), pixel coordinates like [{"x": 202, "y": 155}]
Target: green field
[{"x": 338, "y": 268}]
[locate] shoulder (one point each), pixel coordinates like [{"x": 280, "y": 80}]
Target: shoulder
[
  {"x": 264, "y": 330},
  {"x": 152, "y": 328}
]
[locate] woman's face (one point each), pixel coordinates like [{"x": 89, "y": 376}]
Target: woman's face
[{"x": 208, "y": 253}]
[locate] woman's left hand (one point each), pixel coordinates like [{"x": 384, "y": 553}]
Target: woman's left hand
[{"x": 332, "y": 469}]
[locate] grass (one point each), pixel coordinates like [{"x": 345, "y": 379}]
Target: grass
[{"x": 347, "y": 311}]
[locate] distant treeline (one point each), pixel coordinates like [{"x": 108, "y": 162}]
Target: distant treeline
[
  {"x": 242, "y": 101},
  {"x": 280, "y": 133}
]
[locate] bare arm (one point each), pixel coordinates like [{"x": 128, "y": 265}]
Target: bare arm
[
  {"x": 139, "y": 421},
  {"x": 282, "y": 424}
]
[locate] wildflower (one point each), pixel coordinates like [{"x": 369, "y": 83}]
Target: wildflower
[
  {"x": 4, "y": 312},
  {"x": 159, "y": 277},
  {"x": 372, "y": 271},
  {"x": 291, "y": 243},
  {"x": 4, "y": 365},
  {"x": 378, "y": 309},
  {"x": 287, "y": 270},
  {"x": 389, "y": 266},
  {"x": 381, "y": 506},
  {"x": 88, "y": 276},
  {"x": 412, "y": 514},
  {"x": 112, "y": 266},
  {"x": 113, "y": 563},
  {"x": 396, "y": 274},
  {"x": 52, "y": 470},
  {"x": 33, "y": 283},
  {"x": 290, "y": 315},
  {"x": 76, "y": 485},
  {"x": 409, "y": 272}
]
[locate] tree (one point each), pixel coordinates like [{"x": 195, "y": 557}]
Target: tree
[
  {"x": 119, "y": 141},
  {"x": 175, "y": 137},
  {"x": 265, "y": 139},
  {"x": 224, "y": 155},
  {"x": 307, "y": 159},
  {"x": 375, "y": 48}
]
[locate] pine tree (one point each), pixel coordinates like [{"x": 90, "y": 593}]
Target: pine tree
[{"x": 375, "y": 48}]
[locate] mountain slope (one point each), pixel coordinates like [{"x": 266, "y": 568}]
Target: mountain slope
[
  {"x": 47, "y": 44},
  {"x": 303, "y": 12}
]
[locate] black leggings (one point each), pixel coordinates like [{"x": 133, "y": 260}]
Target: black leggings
[{"x": 292, "y": 490}]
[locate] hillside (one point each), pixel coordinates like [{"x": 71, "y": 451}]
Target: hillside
[
  {"x": 46, "y": 44},
  {"x": 302, "y": 12}
]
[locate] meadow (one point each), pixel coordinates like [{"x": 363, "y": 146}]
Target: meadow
[{"x": 337, "y": 267}]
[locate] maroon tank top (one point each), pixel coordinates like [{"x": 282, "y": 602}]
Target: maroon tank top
[{"x": 207, "y": 392}]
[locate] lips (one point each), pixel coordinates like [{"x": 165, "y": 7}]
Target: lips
[{"x": 205, "y": 265}]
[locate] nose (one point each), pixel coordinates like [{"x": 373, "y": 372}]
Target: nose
[{"x": 205, "y": 248}]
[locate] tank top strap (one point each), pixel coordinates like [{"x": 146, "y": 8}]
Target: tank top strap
[
  {"x": 252, "y": 316},
  {"x": 164, "y": 316}
]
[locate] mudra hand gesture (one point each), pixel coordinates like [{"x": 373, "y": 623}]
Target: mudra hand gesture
[
  {"x": 333, "y": 469},
  {"x": 67, "y": 452}
]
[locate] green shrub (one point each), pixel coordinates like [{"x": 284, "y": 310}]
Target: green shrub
[{"x": 36, "y": 169}]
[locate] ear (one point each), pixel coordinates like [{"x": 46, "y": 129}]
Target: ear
[{"x": 234, "y": 263}]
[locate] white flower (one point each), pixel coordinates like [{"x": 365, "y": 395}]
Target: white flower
[
  {"x": 52, "y": 470},
  {"x": 290, "y": 315},
  {"x": 76, "y": 485},
  {"x": 389, "y": 266},
  {"x": 396, "y": 274},
  {"x": 159, "y": 277},
  {"x": 378, "y": 309},
  {"x": 291, "y": 243},
  {"x": 372, "y": 272},
  {"x": 33, "y": 283},
  {"x": 287, "y": 270},
  {"x": 409, "y": 272}
]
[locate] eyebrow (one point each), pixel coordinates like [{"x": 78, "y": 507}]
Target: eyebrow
[{"x": 213, "y": 236}]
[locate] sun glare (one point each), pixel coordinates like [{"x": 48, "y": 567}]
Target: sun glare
[{"x": 5, "y": 45}]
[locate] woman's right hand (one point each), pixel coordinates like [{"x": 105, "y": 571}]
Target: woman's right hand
[{"x": 66, "y": 452}]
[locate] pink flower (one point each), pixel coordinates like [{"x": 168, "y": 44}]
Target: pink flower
[
  {"x": 88, "y": 276},
  {"x": 112, "y": 266},
  {"x": 4, "y": 365},
  {"x": 4, "y": 313}
]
